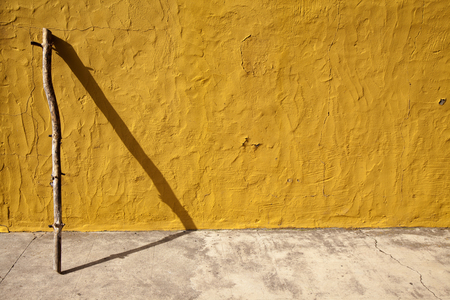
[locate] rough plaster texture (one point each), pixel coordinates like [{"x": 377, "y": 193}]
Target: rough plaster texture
[{"x": 230, "y": 114}]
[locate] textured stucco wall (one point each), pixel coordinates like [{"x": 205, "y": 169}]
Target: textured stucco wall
[{"x": 228, "y": 114}]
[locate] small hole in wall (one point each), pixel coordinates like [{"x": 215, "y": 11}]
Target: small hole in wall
[{"x": 442, "y": 101}]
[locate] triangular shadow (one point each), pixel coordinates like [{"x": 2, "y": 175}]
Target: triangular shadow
[{"x": 68, "y": 54}]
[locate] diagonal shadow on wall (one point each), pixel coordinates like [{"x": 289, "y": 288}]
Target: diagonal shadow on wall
[{"x": 68, "y": 54}]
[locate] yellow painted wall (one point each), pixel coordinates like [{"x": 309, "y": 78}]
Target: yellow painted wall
[{"x": 228, "y": 114}]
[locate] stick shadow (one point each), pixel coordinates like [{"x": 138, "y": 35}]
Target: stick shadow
[
  {"x": 122, "y": 255},
  {"x": 68, "y": 54}
]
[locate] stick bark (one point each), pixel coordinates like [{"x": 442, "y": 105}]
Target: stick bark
[{"x": 56, "y": 144}]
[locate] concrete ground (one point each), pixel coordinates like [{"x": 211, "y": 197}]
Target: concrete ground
[{"x": 226, "y": 264}]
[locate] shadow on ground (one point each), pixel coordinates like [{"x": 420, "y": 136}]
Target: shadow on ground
[{"x": 126, "y": 253}]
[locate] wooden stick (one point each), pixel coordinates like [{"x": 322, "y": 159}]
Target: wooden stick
[{"x": 56, "y": 145}]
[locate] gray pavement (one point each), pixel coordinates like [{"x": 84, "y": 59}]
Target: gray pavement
[{"x": 230, "y": 264}]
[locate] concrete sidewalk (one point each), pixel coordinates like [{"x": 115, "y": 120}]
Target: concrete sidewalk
[{"x": 241, "y": 264}]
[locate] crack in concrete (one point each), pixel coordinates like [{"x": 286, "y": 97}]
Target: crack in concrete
[
  {"x": 420, "y": 275},
  {"x": 21, "y": 254}
]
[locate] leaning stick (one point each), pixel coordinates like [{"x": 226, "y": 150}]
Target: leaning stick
[{"x": 56, "y": 144}]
